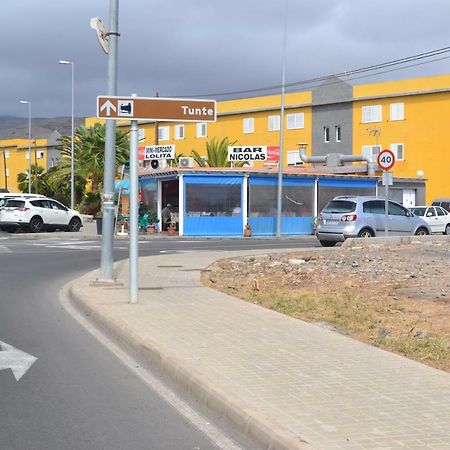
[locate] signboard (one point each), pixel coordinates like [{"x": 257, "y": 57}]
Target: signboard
[
  {"x": 247, "y": 153},
  {"x": 386, "y": 160},
  {"x": 156, "y": 108},
  {"x": 159, "y": 152},
  {"x": 273, "y": 153}
]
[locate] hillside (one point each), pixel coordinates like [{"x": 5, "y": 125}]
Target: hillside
[{"x": 17, "y": 127}]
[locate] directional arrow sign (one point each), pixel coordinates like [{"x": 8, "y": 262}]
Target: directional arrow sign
[
  {"x": 108, "y": 106},
  {"x": 156, "y": 108},
  {"x": 16, "y": 360}
]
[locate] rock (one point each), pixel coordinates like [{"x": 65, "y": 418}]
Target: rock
[
  {"x": 383, "y": 333},
  {"x": 213, "y": 279},
  {"x": 420, "y": 335},
  {"x": 296, "y": 262},
  {"x": 355, "y": 264}
]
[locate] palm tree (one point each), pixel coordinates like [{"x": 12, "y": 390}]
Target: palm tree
[
  {"x": 37, "y": 181},
  {"x": 217, "y": 154},
  {"x": 89, "y": 152}
]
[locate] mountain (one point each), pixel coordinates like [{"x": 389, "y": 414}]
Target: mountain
[{"x": 17, "y": 127}]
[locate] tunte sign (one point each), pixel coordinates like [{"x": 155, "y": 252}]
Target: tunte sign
[
  {"x": 156, "y": 108},
  {"x": 250, "y": 153}
]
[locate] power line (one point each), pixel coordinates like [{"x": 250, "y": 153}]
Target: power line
[{"x": 365, "y": 69}]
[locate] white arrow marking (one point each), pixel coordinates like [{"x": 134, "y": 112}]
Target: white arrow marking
[
  {"x": 108, "y": 106},
  {"x": 16, "y": 360}
]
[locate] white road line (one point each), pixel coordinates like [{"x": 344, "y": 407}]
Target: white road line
[{"x": 4, "y": 249}]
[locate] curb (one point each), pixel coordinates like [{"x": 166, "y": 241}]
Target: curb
[
  {"x": 248, "y": 423},
  {"x": 391, "y": 241}
]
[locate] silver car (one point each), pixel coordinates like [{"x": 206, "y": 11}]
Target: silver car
[{"x": 358, "y": 216}]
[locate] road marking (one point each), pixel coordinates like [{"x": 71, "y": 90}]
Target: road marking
[
  {"x": 16, "y": 360},
  {"x": 4, "y": 249}
]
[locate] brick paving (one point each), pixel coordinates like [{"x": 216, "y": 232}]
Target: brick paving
[{"x": 305, "y": 382}]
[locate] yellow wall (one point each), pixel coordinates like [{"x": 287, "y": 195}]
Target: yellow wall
[
  {"x": 17, "y": 161},
  {"x": 423, "y": 132}
]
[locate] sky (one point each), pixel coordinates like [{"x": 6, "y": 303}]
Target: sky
[{"x": 196, "y": 48}]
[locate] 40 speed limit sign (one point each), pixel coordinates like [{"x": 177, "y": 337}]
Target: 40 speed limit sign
[{"x": 386, "y": 160}]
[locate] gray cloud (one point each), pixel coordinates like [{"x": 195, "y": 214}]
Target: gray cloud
[{"x": 201, "y": 46}]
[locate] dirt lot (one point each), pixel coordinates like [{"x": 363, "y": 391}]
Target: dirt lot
[{"x": 394, "y": 297}]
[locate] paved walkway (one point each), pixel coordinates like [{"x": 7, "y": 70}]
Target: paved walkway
[{"x": 285, "y": 382}]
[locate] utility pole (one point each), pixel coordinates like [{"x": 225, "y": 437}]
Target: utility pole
[
  {"x": 106, "y": 265},
  {"x": 280, "y": 156}
]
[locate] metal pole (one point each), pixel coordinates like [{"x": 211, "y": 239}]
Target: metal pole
[
  {"x": 29, "y": 147},
  {"x": 134, "y": 188},
  {"x": 106, "y": 267},
  {"x": 72, "y": 153},
  {"x": 280, "y": 157},
  {"x": 386, "y": 204}
]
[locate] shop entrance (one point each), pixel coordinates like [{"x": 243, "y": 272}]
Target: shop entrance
[{"x": 170, "y": 196}]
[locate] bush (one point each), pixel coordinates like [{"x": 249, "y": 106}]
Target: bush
[{"x": 91, "y": 204}]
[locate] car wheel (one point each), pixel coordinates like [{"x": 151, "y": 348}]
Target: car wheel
[
  {"x": 328, "y": 243},
  {"x": 365, "y": 233},
  {"x": 422, "y": 232},
  {"x": 75, "y": 224},
  {"x": 447, "y": 229},
  {"x": 36, "y": 224}
]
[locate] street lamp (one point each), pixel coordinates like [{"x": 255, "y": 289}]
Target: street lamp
[
  {"x": 26, "y": 102},
  {"x": 72, "y": 170}
]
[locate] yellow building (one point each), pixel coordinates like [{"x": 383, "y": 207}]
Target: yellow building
[
  {"x": 15, "y": 157},
  {"x": 410, "y": 117}
]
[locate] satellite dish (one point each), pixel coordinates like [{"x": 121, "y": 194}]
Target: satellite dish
[{"x": 102, "y": 34}]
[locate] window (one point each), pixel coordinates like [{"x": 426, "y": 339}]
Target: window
[
  {"x": 397, "y": 111},
  {"x": 440, "y": 211},
  {"x": 337, "y": 133},
  {"x": 339, "y": 206},
  {"x": 371, "y": 151},
  {"x": 293, "y": 158},
  {"x": 248, "y": 125},
  {"x": 396, "y": 210},
  {"x": 58, "y": 206},
  {"x": 374, "y": 207},
  {"x": 431, "y": 212},
  {"x": 371, "y": 113},
  {"x": 397, "y": 149},
  {"x": 163, "y": 133},
  {"x": 326, "y": 134},
  {"x": 201, "y": 129},
  {"x": 274, "y": 123},
  {"x": 295, "y": 121},
  {"x": 179, "y": 131}
]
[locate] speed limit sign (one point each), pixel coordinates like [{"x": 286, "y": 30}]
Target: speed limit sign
[{"x": 386, "y": 160}]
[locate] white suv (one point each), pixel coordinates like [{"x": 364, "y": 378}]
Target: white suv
[{"x": 37, "y": 214}]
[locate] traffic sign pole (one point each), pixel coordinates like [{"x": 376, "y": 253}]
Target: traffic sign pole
[
  {"x": 385, "y": 161},
  {"x": 134, "y": 226}
]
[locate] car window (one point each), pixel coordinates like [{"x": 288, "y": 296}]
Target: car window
[
  {"x": 37, "y": 203},
  {"x": 419, "y": 211},
  {"x": 56, "y": 205},
  {"x": 374, "y": 207},
  {"x": 395, "y": 209},
  {"x": 441, "y": 211},
  {"x": 431, "y": 212},
  {"x": 446, "y": 205},
  {"x": 339, "y": 206},
  {"x": 15, "y": 204}
]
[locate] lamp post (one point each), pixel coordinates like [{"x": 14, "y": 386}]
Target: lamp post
[
  {"x": 72, "y": 169},
  {"x": 26, "y": 102},
  {"x": 280, "y": 156}
]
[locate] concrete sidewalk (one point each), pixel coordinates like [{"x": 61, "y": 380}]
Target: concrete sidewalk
[{"x": 286, "y": 383}]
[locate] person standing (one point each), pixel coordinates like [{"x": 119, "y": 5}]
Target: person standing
[{"x": 166, "y": 216}]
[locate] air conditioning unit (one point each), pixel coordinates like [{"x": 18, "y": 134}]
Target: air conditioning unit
[
  {"x": 158, "y": 164},
  {"x": 186, "y": 162},
  {"x": 40, "y": 154}
]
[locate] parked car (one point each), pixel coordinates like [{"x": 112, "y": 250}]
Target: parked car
[
  {"x": 361, "y": 216},
  {"x": 37, "y": 214},
  {"x": 6, "y": 195},
  {"x": 436, "y": 216},
  {"x": 444, "y": 202}
]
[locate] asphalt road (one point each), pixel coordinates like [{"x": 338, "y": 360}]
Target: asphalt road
[{"x": 77, "y": 395}]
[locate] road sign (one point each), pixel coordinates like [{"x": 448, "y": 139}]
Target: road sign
[
  {"x": 386, "y": 159},
  {"x": 156, "y": 108}
]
